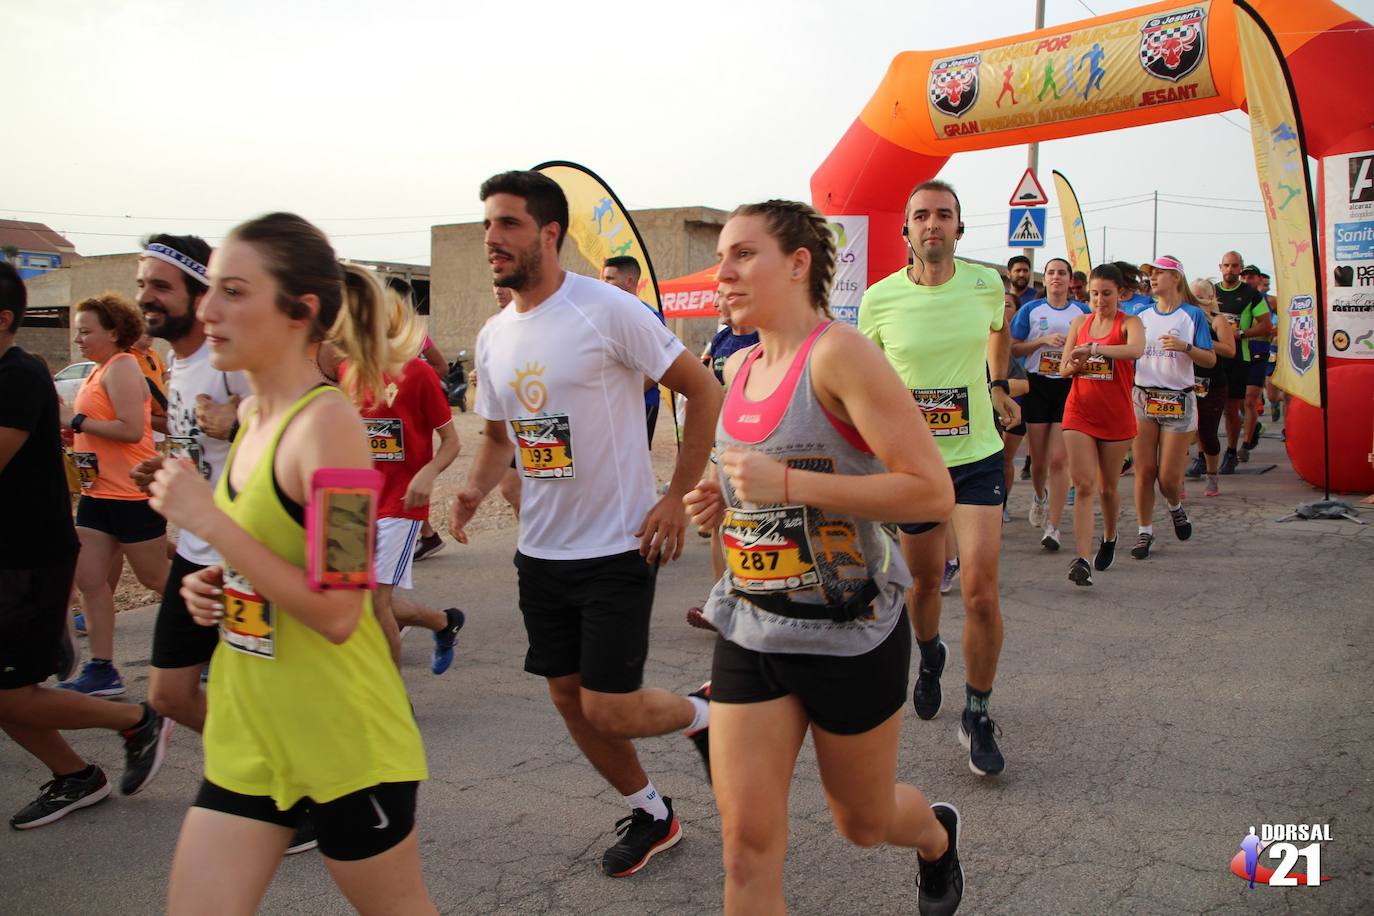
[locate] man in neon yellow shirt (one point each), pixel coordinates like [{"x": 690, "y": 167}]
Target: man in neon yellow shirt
[{"x": 940, "y": 322}]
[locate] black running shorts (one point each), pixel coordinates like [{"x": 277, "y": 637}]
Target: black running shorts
[
  {"x": 845, "y": 695},
  {"x": 129, "y": 521},
  {"x": 1237, "y": 374},
  {"x": 1044, "y": 403},
  {"x": 589, "y": 617},
  {"x": 33, "y": 614},
  {"x": 178, "y": 641},
  {"x": 357, "y": 826},
  {"x": 978, "y": 483}
]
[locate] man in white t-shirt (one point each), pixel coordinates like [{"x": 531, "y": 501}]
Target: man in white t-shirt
[
  {"x": 200, "y": 412},
  {"x": 563, "y": 372}
]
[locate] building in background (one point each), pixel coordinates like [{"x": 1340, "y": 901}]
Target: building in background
[{"x": 33, "y": 248}]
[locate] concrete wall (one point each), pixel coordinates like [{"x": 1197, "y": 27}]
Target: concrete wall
[
  {"x": 681, "y": 240},
  {"x": 90, "y": 277}
]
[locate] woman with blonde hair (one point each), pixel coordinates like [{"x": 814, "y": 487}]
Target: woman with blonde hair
[
  {"x": 818, "y": 443},
  {"x": 1210, "y": 387},
  {"x": 307, "y": 714}
]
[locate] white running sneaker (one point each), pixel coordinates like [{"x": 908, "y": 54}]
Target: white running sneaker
[{"x": 1039, "y": 509}]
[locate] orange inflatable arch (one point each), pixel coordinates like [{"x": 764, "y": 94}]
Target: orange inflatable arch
[{"x": 1154, "y": 63}]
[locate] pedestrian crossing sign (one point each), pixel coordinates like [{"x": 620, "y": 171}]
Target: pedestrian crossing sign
[{"x": 1026, "y": 228}]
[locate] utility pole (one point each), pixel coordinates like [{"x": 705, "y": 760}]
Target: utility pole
[
  {"x": 1104, "y": 245},
  {"x": 1033, "y": 157},
  {"x": 1154, "y": 245}
]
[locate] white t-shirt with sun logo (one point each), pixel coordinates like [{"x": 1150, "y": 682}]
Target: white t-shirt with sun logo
[{"x": 568, "y": 378}]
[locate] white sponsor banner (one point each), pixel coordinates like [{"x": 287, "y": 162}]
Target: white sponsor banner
[
  {"x": 851, "y": 266},
  {"x": 1349, "y": 187}
]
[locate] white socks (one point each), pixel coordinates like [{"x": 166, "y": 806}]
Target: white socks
[
  {"x": 701, "y": 716},
  {"x": 649, "y": 800}
]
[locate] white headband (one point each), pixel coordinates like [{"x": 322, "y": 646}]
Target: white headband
[{"x": 185, "y": 263}]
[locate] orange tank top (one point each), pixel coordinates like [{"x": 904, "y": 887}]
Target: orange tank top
[{"x": 104, "y": 464}]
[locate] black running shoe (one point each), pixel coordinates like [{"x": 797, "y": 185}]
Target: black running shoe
[
  {"x": 1253, "y": 442},
  {"x": 979, "y": 736},
  {"x": 701, "y": 737},
  {"x": 1183, "y": 528},
  {"x": 445, "y": 640},
  {"x": 427, "y": 547},
  {"x": 641, "y": 838},
  {"x": 304, "y": 838},
  {"x": 1229, "y": 462},
  {"x": 144, "y": 748},
  {"x": 1080, "y": 573},
  {"x": 1197, "y": 468},
  {"x": 1051, "y": 540},
  {"x": 60, "y": 796},
  {"x": 1106, "y": 555},
  {"x": 926, "y": 696},
  {"x": 941, "y": 883},
  {"x": 1141, "y": 550}
]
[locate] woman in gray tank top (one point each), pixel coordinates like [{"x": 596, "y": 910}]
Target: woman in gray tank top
[{"x": 819, "y": 444}]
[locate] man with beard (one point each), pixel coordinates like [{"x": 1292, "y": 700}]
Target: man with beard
[
  {"x": 564, "y": 367},
  {"x": 941, "y": 323},
  {"x": 1020, "y": 274}
]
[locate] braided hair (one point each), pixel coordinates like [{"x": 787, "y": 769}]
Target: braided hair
[{"x": 796, "y": 225}]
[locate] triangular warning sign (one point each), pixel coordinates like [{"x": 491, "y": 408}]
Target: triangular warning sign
[
  {"x": 1028, "y": 192},
  {"x": 1026, "y": 230}
]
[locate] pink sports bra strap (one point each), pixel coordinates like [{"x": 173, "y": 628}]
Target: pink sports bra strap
[{"x": 754, "y": 421}]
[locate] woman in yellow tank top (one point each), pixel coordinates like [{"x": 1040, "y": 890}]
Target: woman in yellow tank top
[
  {"x": 111, "y": 433},
  {"x": 305, "y": 705}
]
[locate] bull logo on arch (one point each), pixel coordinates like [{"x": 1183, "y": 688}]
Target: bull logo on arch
[
  {"x": 1172, "y": 46},
  {"x": 1302, "y": 334},
  {"x": 954, "y": 84}
]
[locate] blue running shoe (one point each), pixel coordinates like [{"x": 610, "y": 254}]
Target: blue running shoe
[
  {"x": 97, "y": 679},
  {"x": 80, "y": 621},
  {"x": 446, "y": 639}
]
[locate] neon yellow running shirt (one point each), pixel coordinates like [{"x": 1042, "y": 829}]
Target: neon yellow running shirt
[
  {"x": 290, "y": 714},
  {"x": 936, "y": 337}
]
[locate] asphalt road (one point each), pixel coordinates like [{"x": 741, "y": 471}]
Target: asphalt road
[{"x": 1148, "y": 723}]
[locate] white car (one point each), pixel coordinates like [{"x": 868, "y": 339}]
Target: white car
[{"x": 70, "y": 379}]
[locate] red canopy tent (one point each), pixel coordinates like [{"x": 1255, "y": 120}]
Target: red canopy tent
[{"x": 692, "y": 296}]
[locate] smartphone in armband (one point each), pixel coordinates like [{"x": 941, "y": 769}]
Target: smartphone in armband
[{"x": 341, "y": 528}]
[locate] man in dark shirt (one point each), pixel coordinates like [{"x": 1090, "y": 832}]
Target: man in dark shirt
[
  {"x": 1245, "y": 308},
  {"x": 37, "y": 563}
]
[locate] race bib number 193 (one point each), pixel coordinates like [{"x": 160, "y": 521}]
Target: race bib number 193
[
  {"x": 946, "y": 410},
  {"x": 545, "y": 446}
]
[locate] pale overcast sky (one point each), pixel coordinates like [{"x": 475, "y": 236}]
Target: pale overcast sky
[{"x": 378, "y": 120}]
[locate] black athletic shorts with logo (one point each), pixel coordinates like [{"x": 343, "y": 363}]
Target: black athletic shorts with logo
[
  {"x": 1044, "y": 403},
  {"x": 589, "y": 617},
  {"x": 33, "y": 614},
  {"x": 977, "y": 483},
  {"x": 178, "y": 641},
  {"x": 845, "y": 695},
  {"x": 357, "y": 826}
]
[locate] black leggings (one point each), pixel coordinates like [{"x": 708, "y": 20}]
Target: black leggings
[{"x": 1209, "y": 412}]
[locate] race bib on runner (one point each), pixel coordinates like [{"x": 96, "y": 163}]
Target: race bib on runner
[
  {"x": 768, "y": 550},
  {"x": 1098, "y": 368},
  {"x": 247, "y": 625},
  {"x": 1202, "y": 385},
  {"x": 386, "y": 439},
  {"x": 187, "y": 447},
  {"x": 1233, "y": 319},
  {"x": 545, "y": 445},
  {"x": 1049, "y": 362},
  {"x": 1164, "y": 405},
  {"x": 87, "y": 468},
  {"x": 946, "y": 410}
]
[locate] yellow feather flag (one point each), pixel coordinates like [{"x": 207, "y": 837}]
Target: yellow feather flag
[
  {"x": 600, "y": 225},
  {"x": 1281, "y": 162},
  {"x": 1075, "y": 232}
]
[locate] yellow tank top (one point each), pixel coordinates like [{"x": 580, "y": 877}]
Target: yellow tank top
[{"x": 291, "y": 715}]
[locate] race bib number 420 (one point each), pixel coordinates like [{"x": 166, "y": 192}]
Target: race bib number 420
[
  {"x": 946, "y": 410},
  {"x": 386, "y": 439},
  {"x": 768, "y": 550},
  {"x": 247, "y": 626},
  {"x": 545, "y": 446}
]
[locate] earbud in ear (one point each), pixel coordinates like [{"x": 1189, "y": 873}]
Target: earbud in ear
[
  {"x": 906, "y": 231},
  {"x": 961, "y": 228}
]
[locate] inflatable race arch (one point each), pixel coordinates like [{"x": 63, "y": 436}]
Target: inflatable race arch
[{"x": 1154, "y": 63}]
